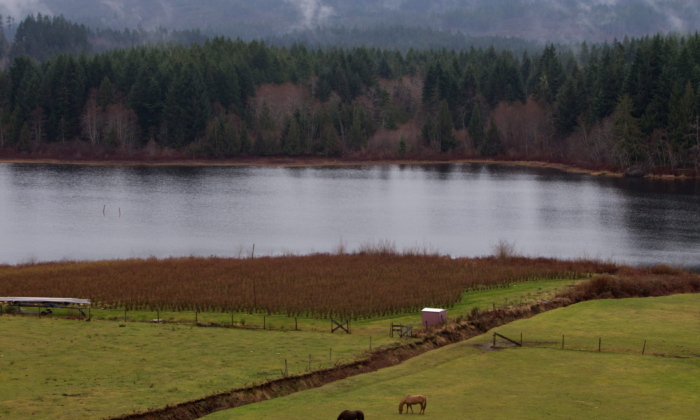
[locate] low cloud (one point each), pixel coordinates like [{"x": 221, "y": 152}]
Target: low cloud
[
  {"x": 19, "y": 9},
  {"x": 313, "y": 12}
]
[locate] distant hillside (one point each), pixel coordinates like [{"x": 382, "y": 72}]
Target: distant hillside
[{"x": 555, "y": 20}]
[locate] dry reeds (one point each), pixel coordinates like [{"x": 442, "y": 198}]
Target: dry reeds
[
  {"x": 374, "y": 282},
  {"x": 628, "y": 283}
]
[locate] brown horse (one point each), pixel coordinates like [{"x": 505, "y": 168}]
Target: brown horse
[
  {"x": 351, "y": 415},
  {"x": 410, "y": 400}
]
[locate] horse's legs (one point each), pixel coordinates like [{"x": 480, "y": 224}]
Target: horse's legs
[
  {"x": 422, "y": 408},
  {"x": 410, "y": 405}
]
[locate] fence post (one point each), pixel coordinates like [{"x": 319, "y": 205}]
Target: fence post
[
  {"x": 309, "y": 362},
  {"x": 125, "y": 314},
  {"x": 562, "y": 341},
  {"x": 264, "y": 322},
  {"x": 521, "y": 339},
  {"x": 330, "y": 356},
  {"x": 645, "y": 347},
  {"x": 196, "y": 317},
  {"x": 370, "y": 343},
  {"x": 286, "y": 370},
  {"x": 599, "y": 340},
  {"x": 494, "y": 340},
  {"x": 296, "y": 325},
  {"x": 232, "y": 319}
]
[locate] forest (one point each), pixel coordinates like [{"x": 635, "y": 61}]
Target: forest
[{"x": 629, "y": 103}]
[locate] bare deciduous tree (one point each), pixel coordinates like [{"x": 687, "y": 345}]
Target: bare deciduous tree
[{"x": 92, "y": 119}]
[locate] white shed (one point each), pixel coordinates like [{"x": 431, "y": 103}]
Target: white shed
[{"x": 434, "y": 316}]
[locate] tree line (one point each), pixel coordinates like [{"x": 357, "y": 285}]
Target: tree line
[{"x": 639, "y": 95}]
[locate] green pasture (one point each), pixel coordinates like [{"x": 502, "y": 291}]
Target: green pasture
[
  {"x": 470, "y": 381},
  {"x": 669, "y": 325},
  {"x": 52, "y": 367},
  {"x": 63, "y": 369}
]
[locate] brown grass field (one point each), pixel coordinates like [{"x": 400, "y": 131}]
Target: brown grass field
[{"x": 352, "y": 286}]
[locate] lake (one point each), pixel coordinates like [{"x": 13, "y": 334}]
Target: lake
[{"x": 56, "y": 212}]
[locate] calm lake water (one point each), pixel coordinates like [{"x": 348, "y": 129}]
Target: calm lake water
[{"x": 54, "y": 212}]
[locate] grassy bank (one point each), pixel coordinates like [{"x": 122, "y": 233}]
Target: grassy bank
[{"x": 464, "y": 381}]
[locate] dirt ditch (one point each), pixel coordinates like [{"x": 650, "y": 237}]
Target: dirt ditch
[{"x": 432, "y": 338}]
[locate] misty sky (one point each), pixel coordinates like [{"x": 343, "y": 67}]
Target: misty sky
[{"x": 532, "y": 19}]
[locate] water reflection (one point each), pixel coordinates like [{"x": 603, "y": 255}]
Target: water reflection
[{"x": 50, "y": 212}]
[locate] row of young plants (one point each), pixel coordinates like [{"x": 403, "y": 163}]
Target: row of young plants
[{"x": 348, "y": 286}]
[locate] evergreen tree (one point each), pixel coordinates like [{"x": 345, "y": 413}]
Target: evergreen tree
[
  {"x": 430, "y": 133},
  {"x": 146, "y": 99},
  {"x": 24, "y": 139},
  {"x": 626, "y": 132},
  {"x": 569, "y": 105},
  {"x": 245, "y": 139},
  {"x": 549, "y": 75},
  {"x": 445, "y": 128},
  {"x": 356, "y": 137},
  {"x": 682, "y": 113},
  {"x": 492, "y": 145},
  {"x": 476, "y": 127},
  {"x": 106, "y": 93},
  {"x": 329, "y": 139},
  {"x": 292, "y": 141},
  {"x": 467, "y": 96},
  {"x": 186, "y": 108},
  {"x": 401, "y": 151}
]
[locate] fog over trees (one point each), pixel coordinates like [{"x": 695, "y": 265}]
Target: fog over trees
[{"x": 543, "y": 20}]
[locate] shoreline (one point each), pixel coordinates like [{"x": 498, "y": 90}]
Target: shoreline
[
  {"x": 304, "y": 163},
  {"x": 310, "y": 162}
]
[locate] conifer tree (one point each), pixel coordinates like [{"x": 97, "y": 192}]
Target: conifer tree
[
  {"x": 626, "y": 132},
  {"x": 430, "y": 133},
  {"x": 682, "y": 112},
  {"x": 292, "y": 142},
  {"x": 492, "y": 145},
  {"x": 245, "y": 138},
  {"x": 445, "y": 128},
  {"x": 569, "y": 105},
  {"x": 476, "y": 127},
  {"x": 106, "y": 93}
]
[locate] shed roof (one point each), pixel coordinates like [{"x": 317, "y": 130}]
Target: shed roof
[
  {"x": 433, "y": 310},
  {"x": 45, "y": 300}
]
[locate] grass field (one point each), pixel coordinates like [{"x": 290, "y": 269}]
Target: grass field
[
  {"x": 670, "y": 325},
  {"x": 462, "y": 381},
  {"x": 66, "y": 369}
]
